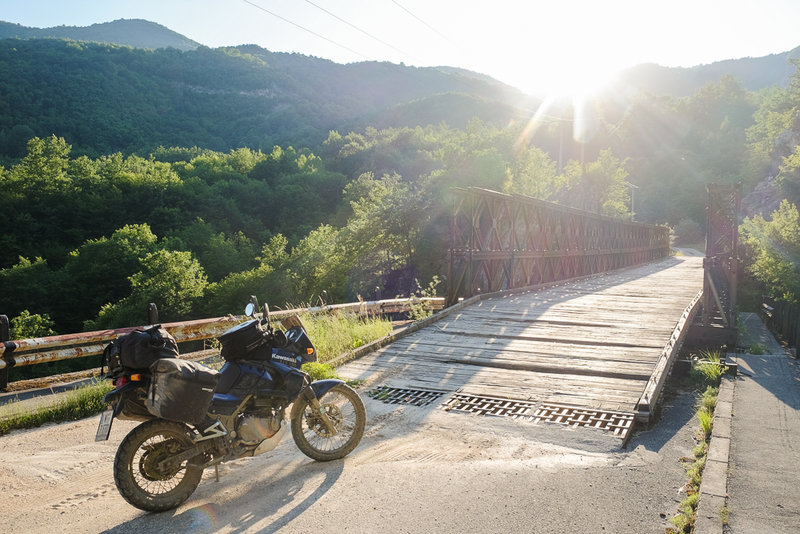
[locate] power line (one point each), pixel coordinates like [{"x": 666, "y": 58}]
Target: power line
[
  {"x": 362, "y": 31},
  {"x": 434, "y": 30},
  {"x": 304, "y": 28}
]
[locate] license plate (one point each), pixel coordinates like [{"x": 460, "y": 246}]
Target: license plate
[{"x": 104, "y": 428}]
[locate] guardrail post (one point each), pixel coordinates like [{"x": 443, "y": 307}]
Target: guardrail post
[
  {"x": 152, "y": 313},
  {"x": 5, "y": 335}
]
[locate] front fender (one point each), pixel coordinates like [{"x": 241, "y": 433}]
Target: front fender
[
  {"x": 321, "y": 387},
  {"x": 315, "y": 391}
]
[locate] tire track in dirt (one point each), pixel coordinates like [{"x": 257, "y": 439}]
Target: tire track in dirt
[{"x": 55, "y": 474}]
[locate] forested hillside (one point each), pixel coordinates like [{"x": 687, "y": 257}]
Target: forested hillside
[
  {"x": 752, "y": 73},
  {"x": 194, "y": 179},
  {"x": 107, "y": 98}
]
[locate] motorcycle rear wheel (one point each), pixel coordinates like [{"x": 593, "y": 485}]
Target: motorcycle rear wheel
[
  {"x": 137, "y": 475},
  {"x": 345, "y": 410}
]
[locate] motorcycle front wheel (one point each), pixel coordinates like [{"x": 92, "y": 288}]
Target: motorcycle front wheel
[
  {"x": 345, "y": 411},
  {"x": 141, "y": 480}
]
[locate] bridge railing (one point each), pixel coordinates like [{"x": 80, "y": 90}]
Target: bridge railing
[
  {"x": 783, "y": 318},
  {"x": 63, "y": 347},
  {"x": 501, "y": 241}
]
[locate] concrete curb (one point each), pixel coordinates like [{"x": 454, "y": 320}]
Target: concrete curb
[{"x": 714, "y": 486}]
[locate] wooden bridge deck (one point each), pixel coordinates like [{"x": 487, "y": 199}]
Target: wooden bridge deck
[{"x": 592, "y": 344}]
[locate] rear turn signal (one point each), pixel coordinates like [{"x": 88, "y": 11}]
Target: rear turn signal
[
  {"x": 136, "y": 378},
  {"x": 309, "y": 351}
]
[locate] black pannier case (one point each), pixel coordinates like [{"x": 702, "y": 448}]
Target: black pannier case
[
  {"x": 139, "y": 349},
  {"x": 242, "y": 339},
  {"x": 181, "y": 390}
]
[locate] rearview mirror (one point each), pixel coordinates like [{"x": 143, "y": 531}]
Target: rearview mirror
[{"x": 252, "y": 307}]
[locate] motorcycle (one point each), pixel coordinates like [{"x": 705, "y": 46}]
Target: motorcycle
[{"x": 195, "y": 418}]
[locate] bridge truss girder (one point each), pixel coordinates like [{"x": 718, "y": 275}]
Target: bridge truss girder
[
  {"x": 721, "y": 266},
  {"x": 502, "y": 241}
]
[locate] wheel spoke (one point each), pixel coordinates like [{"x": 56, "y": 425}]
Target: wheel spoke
[
  {"x": 340, "y": 413},
  {"x": 143, "y": 473},
  {"x": 336, "y": 437},
  {"x": 148, "y": 476}
]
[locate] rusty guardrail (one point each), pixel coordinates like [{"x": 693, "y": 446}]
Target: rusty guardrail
[{"x": 63, "y": 347}]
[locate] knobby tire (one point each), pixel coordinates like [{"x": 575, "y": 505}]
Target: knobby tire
[
  {"x": 346, "y": 410},
  {"x": 135, "y": 471}
]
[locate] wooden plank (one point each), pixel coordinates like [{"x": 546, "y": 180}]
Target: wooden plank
[{"x": 594, "y": 343}]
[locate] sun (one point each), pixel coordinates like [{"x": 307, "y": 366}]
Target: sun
[
  {"x": 566, "y": 92},
  {"x": 563, "y": 49},
  {"x": 566, "y": 76}
]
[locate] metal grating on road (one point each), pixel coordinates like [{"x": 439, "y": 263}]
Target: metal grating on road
[
  {"x": 413, "y": 397},
  {"x": 495, "y": 406},
  {"x": 620, "y": 423}
]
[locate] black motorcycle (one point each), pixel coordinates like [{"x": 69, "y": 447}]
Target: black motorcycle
[{"x": 195, "y": 417}]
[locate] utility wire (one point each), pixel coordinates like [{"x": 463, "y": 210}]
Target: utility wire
[
  {"x": 362, "y": 31},
  {"x": 304, "y": 28},
  {"x": 434, "y": 30}
]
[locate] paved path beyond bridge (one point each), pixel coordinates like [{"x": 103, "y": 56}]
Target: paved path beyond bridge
[{"x": 581, "y": 353}]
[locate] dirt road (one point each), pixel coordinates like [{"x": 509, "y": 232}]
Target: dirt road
[{"x": 417, "y": 470}]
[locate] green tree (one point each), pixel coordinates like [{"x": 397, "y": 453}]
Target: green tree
[
  {"x": 383, "y": 233},
  {"x": 223, "y": 254},
  {"x": 269, "y": 281},
  {"x": 28, "y": 285},
  {"x": 774, "y": 250},
  {"x": 789, "y": 175},
  {"x": 534, "y": 174},
  {"x": 27, "y": 325},
  {"x": 99, "y": 270},
  {"x": 774, "y": 116},
  {"x": 318, "y": 263},
  {"x": 173, "y": 280},
  {"x": 43, "y": 169},
  {"x": 600, "y": 186}
]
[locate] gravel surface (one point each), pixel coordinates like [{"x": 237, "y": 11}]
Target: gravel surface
[{"x": 416, "y": 470}]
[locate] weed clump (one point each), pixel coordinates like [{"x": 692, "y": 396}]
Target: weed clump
[{"x": 708, "y": 368}]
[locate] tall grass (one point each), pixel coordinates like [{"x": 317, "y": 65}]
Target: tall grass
[
  {"x": 76, "y": 404},
  {"x": 337, "y": 333}
]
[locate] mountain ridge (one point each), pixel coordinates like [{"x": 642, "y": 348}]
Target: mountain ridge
[
  {"x": 754, "y": 73},
  {"x": 137, "y": 33},
  {"x": 116, "y": 97}
]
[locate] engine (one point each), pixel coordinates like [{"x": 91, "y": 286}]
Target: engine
[{"x": 253, "y": 429}]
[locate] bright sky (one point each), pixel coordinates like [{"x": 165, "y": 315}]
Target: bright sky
[{"x": 551, "y": 45}]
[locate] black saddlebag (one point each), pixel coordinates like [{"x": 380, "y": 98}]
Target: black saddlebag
[
  {"x": 138, "y": 350},
  {"x": 181, "y": 390},
  {"x": 241, "y": 340}
]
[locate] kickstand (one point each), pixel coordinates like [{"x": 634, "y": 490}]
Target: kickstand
[{"x": 216, "y": 471}]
